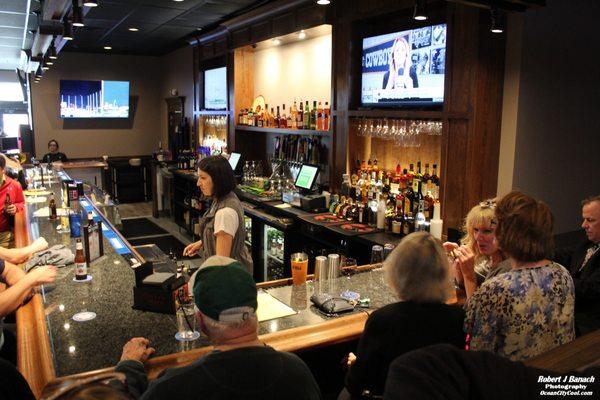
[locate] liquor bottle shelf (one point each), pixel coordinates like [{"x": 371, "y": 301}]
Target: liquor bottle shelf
[{"x": 282, "y": 131}]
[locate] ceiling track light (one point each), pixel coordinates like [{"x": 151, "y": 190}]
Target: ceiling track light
[
  {"x": 323, "y": 2},
  {"x": 77, "y": 14},
  {"x": 497, "y": 21},
  {"x": 90, "y": 3},
  {"x": 67, "y": 31},
  {"x": 420, "y": 10},
  {"x": 52, "y": 50}
]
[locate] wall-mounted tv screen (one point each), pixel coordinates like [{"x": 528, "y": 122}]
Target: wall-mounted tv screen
[
  {"x": 215, "y": 89},
  {"x": 404, "y": 68},
  {"x": 94, "y": 99}
]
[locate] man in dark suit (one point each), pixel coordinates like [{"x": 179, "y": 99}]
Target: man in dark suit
[{"x": 583, "y": 261}]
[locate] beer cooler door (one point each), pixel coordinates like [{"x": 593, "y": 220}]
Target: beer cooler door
[{"x": 273, "y": 263}]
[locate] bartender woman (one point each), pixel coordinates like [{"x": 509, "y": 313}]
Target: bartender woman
[
  {"x": 54, "y": 155},
  {"x": 222, "y": 228}
]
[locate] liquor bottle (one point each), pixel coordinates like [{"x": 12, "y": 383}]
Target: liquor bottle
[
  {"x": 381, "y": 210},
  {"x": 417, "y": 177},
  {"x": 320, "y": 117},
  {"x": 300, "y": 117},
  {"x": 360, "y": 210},
  {"x": 266, "y": 116},
  {"x": 278, "y": 119},
  {"x": 429, "y": 200},
  {"x": 313, "y": 116},
  {"x": 306, "y": 116},
  {"x": 52, "y": 206},
  {"x": 294, "y": 116},
  {"x": 341, "y": 204},
  {"x": 372, "y": 208},
  {"x": 81, "y": 271},
  {"x": 288, "y": 120},
  {"x": 283, "y": 120},
  {"x": 260, "y": 122},
  {"x": 375, "y": 167},
  {"x": 426, "y": 180},
  {"x": 363, "y": 166},
  {"x": 346, "y": 208},
  {"x": 272, "y": 118},
  {"x": 326, "y": 116},
  {"x": 352, "y": 214},
  {"x": 334, "y": 202},
  {"x": 435, "y": 183},
  {"x": 420, "y": 217},
  {"x": 417, "y": 197}
]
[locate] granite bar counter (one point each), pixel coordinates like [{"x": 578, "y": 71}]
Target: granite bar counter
[{"x": 76, "y": 348}]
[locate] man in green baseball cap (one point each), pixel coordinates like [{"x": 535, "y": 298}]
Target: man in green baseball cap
[{"x": 240, "y": 365}]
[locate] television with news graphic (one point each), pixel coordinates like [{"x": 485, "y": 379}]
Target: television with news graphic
[
  {"x": 404, "y": 69},
  {"x": 215, "y": 89},
  {"x": 94, "y": 99}
]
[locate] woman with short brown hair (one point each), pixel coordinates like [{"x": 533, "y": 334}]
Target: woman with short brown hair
[{"x": 530, "y": 309}]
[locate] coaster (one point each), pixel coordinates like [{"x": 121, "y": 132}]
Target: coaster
[
  {"x": 187, "y": 336},
  {"x": 89, "y": 278},
  {"x": 84, "y": 316}
]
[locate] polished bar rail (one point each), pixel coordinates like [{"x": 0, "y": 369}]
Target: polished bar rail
[{"x": 34, "y": 357}]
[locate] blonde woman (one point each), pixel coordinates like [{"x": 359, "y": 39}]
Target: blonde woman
[
  {"x": 417, "y": 272},
  {"x": 479, "y": 257},
  {"x": 530, "y": 309}
]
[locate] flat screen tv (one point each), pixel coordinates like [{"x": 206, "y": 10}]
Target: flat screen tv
[
  {"x": 404, "y": 69},
  {"x": 215, "y": 89},
  {"x": 94, "y": 99}
]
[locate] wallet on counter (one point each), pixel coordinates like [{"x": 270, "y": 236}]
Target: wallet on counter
[{"x": 331, "y": 305}]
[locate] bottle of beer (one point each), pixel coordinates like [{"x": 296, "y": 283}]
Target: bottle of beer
[
  {"x": 90, "y": 219},
  {"x": 80, "y": 264},
  {"x": 7, "y": 203},
  {"x": 52, "y": 206}
]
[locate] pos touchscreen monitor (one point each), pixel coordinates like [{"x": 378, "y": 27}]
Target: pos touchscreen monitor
[{"x": 306, "y": 177}]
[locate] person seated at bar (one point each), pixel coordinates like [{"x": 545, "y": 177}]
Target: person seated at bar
[
  {"x": 444, "y": 372},
  {"x": 13, "y": 384},
  {"x": 417, "y": 272},
  {"x": 12, "y": 201},
  {"x": 478, "y": 258},
  {"x": 222, "y": 228},
  {"x": 583, "y": 261},
  {"x": 240, "y": 365},
  {"x": 19, "y": 289},
  {"x": 530, "y": 309},
  {"x": 53, "y": 154}
]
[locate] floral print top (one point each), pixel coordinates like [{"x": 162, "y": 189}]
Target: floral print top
[{"x": 523, "y": 312}]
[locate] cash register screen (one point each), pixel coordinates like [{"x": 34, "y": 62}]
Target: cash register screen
[
  {"x": 234, "y": 158},
  {"x": 306, "y": 177}
]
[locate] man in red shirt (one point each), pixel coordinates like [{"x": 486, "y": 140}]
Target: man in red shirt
[{"x": 13, "y": 189}]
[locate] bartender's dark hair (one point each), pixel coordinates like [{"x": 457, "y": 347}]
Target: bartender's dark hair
[
  {"x": 221, "y": 174},
  {"x": 55, "y": 142}
]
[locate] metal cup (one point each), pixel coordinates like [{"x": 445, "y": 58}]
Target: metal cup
[
  {"x": 333, "y": 270},
  {"x": 321, "y": 268}
]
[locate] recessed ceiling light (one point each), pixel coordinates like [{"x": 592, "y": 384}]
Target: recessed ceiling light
[
  {"x": 302, "y": 34},
  {"x": 199, "y": 28},
  {"x": 323, "y": 2},
  {"x": 107, "y": 48},
  {"x": 90, "y": 3},
  {"x": 276, "y": 42},
  {"x": 132, "y": 29},
  {"x": 178, "y": 1}
]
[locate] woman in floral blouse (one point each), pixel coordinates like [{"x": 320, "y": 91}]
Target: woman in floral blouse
[{"x": 530, "y": 309}]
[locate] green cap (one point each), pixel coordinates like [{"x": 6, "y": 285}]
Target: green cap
[{"x": 222, "y": 284}]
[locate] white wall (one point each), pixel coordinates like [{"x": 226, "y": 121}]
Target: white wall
[{"x": 299, "y": 70}]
